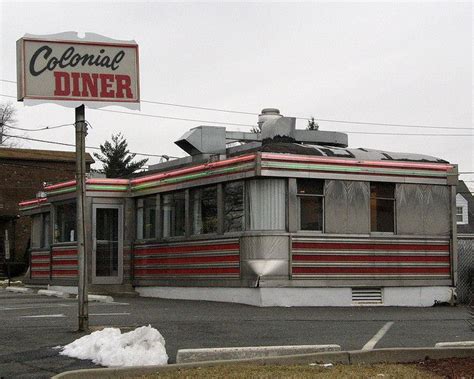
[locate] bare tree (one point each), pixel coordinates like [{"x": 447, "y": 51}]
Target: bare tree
[{"x": 7, "y": 121}]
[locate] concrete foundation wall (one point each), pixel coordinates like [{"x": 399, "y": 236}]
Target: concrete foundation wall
[{"x": 300, "y": 297}]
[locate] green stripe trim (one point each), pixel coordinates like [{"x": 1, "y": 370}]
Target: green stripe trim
[
  {"x": 362, "y": 170},
  {"x": 61, "y": 191},
  {"x": 101, "y": 187},
  {"x": 202, "y": 174}
]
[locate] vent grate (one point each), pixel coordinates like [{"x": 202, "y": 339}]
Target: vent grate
[{"x": 367, "y": 295}]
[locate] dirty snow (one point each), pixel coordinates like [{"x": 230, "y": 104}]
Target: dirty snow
[{"x": 144, "y": 346}]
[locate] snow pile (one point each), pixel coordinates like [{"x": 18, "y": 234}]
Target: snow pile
[{"x": 144, "y": 346}]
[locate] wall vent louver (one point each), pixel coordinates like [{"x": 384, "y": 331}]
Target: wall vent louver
[{"x": 367, "y": 296}]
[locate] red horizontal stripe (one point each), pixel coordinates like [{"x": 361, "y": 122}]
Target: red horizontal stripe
[
  {"x": 39, "y": 264},
  {"x": 39, "y": 273},
  {"x": 64, "y": 272},
  {"x": 187, "y": 249},
  {"x": 371, "y": 270},
  {"x": 370, "y": 258},
  {"x": 354, "y": 162},
  {"x": 58, "y": 253},
  {"x": 367, "y": 246},
  {"x": 187, "y": 271},
  {"x": 69, "y": 183},
  {"x": 72, "y": 262},
  {"x": 205, "y": 259},
  {"x": 184, "y": 171},
  {"x": 31, "y": 202},
  {"x": 163, "y": 185}
]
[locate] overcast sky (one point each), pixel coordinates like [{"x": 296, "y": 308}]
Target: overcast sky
[{"x": 407, "y": 63}]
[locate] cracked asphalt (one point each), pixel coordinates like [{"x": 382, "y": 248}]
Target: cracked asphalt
[{"x": 32, "y": 325}]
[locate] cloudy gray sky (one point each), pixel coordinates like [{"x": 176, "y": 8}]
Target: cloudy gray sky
[{"x": 407, "y": 63}]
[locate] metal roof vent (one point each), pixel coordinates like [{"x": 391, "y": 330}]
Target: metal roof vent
[
  {"x": 367, "y": 296},
  {"x": 267, "y": 115}
]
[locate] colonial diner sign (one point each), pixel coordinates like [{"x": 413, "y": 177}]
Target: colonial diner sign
[{"x": 68, "y": 70}]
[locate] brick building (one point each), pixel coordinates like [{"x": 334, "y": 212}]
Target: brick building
[{"x": 22, "y": 173}]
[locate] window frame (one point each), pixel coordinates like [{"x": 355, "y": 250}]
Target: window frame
[
  {"x": 394, "y": 203},
  {"x": 54, "y": 239},
  {"x": 161, "y": 216},
  {"x": 219, "y": 212},
  {"x": 323, "y": 206}
]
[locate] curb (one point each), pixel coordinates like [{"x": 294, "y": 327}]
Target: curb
[
  {"x": 455, "y": 344},
  {"x": 53, "y": 293},
  {"x": 100, "y": 298},
  {"x": 232, "y": 353},
  {"x": 396, "y": 355},
  {"x": 18, "y": 289}
]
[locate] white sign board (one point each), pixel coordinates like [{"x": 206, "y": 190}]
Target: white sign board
[{"x": 68, "y": 70}]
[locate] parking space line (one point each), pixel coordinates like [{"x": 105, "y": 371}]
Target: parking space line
[
  {"x": 38, "y": 306},
  {"x": 378, "y": 336},
  {"x": 44, "y": 316}
]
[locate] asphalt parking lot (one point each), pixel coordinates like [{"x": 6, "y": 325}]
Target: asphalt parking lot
[{"x": 31, "y": 325}]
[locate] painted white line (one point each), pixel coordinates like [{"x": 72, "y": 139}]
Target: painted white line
[
  {"x": 44, "y": 316},
  {"x": 109, "y": 314},
  {"x": 34, "y": 307},
  {"x": 378, "y": 336}
]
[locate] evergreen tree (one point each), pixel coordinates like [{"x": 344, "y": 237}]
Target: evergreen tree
[
  {"x": 117, "y": 159},
  {"x": 312, "y": 125}
]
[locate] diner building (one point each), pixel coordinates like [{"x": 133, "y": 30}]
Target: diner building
[{"x": 285, "y": 217}]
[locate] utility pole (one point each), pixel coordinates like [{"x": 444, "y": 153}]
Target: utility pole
[{"x": 81, "y": 131}]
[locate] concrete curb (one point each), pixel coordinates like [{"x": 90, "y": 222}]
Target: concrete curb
[
  {"x": 455, "y": 344},
  {"x": 100, "y": 298},
  {"x": 53, "y": 293},
  {"x": 232, "y": 353},
  {"x": 396, "y": 355},
  {"x": 19, "y": 289}
]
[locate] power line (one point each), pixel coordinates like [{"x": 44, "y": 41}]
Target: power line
[
  {"x": 175, "y": 118},
  {"x": 39, "y": 129},
  {"x": 408, "y": 134},
  {"x": 88, "y": 147},
  {"x": 421, "y": 126}
]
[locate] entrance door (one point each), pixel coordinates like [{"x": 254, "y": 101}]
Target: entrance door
[{"x": 107, "y": 245}]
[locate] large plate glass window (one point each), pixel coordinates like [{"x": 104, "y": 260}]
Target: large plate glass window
[
  {"x": 173, "y": 211},
  {"x": 65, "y": 223},
  {"x": 382, "y": 207},
  {"x": 146, "y": 217},
  {"x": 204, "y": 210},
  {"x": 233, "y": 206},
  {"x": 267, "y": 204},
  {"x": 310, "y": 204}
]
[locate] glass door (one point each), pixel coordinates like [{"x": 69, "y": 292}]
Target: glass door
[{"x": 107, "y": 244}]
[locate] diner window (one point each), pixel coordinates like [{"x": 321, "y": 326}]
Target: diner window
[
  {"x": 173, "y": 213},
  {"x": 267, "y": 204},
  {"x": 146, "y": 217},
  {"x": 382, "y": 207},
  {"x": 36, "y": 231},
  {"x": 233, "y": 206},
  {"x": 203, "y": 204},
  {"x": 310, "y": 204},
  {"x": 65, "y": 223},
  {"x": 45, "y": 239},
  {"x": 40, "y": 231}
]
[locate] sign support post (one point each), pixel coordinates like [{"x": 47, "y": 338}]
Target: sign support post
[
  {"x": 81, "y": 131},
  {"x": 7, "y": 255}
]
